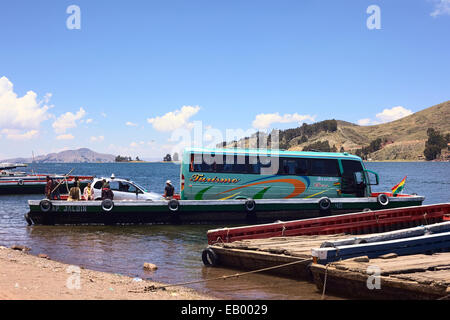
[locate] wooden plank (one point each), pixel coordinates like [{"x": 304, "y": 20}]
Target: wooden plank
[
  {"x": 344, "y": 278},
  {"x": 403, "y": 264}
]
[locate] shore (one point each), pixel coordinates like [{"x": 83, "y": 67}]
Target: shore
[{"x": 27, "y": 277}]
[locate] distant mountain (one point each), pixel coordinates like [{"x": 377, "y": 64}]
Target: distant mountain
[
  {"x": 83, "y": 155},
  {"x": 403, "y": 139}
]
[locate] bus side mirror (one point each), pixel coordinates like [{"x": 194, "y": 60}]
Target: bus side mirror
[{"x": 369, "y": 175}]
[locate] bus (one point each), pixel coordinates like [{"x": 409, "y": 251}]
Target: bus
[{"x": 222, "y": 174}]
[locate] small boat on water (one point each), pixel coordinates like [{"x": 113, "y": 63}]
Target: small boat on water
[
  {"x": 18, "y": 182},
  {"x": 235, "y": 186}
]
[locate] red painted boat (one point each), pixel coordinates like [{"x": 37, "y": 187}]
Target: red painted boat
[{"x": 353, "y": 223}]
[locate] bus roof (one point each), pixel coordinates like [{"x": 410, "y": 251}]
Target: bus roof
[{"x": 274, "y": 152}]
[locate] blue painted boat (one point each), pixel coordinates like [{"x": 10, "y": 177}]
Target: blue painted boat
[{"x": 419, "y": 240}]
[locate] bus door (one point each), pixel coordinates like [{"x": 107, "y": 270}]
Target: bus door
[{"x": 354, "y": 180}]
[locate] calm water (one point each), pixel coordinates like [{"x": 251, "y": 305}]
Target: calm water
[{"x": 177, "y": 249}]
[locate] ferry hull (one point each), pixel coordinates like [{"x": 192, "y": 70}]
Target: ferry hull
[{"x": 201, "y": 212}]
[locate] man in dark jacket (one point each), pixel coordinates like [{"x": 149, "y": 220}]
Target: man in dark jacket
[
  {"x": 169, "y": 190},
  {"x": 107, "y": 192}
]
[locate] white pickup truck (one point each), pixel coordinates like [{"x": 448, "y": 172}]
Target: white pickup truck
[{"x": 123, "y": 190}]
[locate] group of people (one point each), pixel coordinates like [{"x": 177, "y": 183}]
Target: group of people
[{"x": 52, "y": 191}]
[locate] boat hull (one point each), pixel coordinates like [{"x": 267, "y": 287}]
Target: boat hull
[
  {"x": 201, "y": 212},
  {"x": 33, "y": 185}
]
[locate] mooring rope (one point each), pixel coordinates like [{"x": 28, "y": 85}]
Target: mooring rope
[
  {"x": 155, "y": 288},
  {"x": 325, "y": 282}
]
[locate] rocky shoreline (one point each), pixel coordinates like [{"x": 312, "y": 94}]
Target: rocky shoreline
[{"x": 27, "y": 277}]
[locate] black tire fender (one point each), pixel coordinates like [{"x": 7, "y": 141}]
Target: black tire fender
[
  {"x": 174, "y": 206},
  {"x": 383, "y": 199},
  {"x": 250, "y": 206},
  {"x": 324, "y": 204},
  {"x": 45, "y": 206},
  {"x": 107, "y": 205},
  {"x": 210, "y": 258}
]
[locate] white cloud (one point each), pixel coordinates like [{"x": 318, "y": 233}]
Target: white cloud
[
  {"x": 174, "y": 120},
  {"x": 131, "y": 124},
  {"x": 65, "y": 137},
  {"x": 393, "y": 114},
  {"x": 89, "y": 121},
  {"x": 265, "y": 120},
  {"x": 367, "y": 122},
  {"x": 21, "y": 113},
  {"x": 68, "y": 121},
  {"x": 441, "y": 7},
  {"x": 14, "y": 134},
  {"x": 97, "y": 139},
  {"x": 104, "y": 115},
  {"x": 387, "y": 115}
]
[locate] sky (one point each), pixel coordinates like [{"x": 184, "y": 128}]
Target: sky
[{"x": 145, "y": 78}]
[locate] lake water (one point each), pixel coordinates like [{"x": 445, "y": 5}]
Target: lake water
[{"x": 176, "y": 250}]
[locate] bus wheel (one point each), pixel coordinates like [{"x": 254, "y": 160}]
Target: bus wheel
[
  {"x": 45, "y": 206},
  {"x": 383, "y": 199},
  {"x": 210, "y": 258}
]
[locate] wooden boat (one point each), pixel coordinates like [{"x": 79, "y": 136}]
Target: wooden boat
[
  {"x": 355, "y": 223},
  {"x": 419, "y": 240},
  {"x": 15, "y": 182}
]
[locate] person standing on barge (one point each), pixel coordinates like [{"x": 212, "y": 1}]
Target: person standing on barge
[{"x": 169, "y": 190}]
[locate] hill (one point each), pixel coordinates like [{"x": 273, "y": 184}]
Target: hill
[
  {"x": 403, "y": 139},
  {"x": 83, "y": 155}
]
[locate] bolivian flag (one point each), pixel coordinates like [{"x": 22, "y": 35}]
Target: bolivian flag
[{"x": 399, "y": 187}]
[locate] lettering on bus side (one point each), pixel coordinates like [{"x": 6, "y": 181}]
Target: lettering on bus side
[{"x": 202, "y": 178}]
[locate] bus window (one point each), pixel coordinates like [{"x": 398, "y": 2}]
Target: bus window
[
  {"x": 302, "y": 167},
  {"x": 288, "y": 166},
  {"x": 240, "y": 166},
  {"x": 324, "y": 167},
  {"x": 351, "y": 167}
]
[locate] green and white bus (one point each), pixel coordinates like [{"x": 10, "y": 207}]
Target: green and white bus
[{"x": 223, "y": 174}]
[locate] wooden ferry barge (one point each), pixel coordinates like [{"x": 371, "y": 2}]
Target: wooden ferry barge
[
  {"x": 46, "y": 212},
  {"x": 242, "y": 186}
]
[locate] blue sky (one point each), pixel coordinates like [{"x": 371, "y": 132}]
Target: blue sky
[{"x": 247, "y": 65}]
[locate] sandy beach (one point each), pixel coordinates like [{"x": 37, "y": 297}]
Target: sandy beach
[{"x": 27, "y": 277}]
